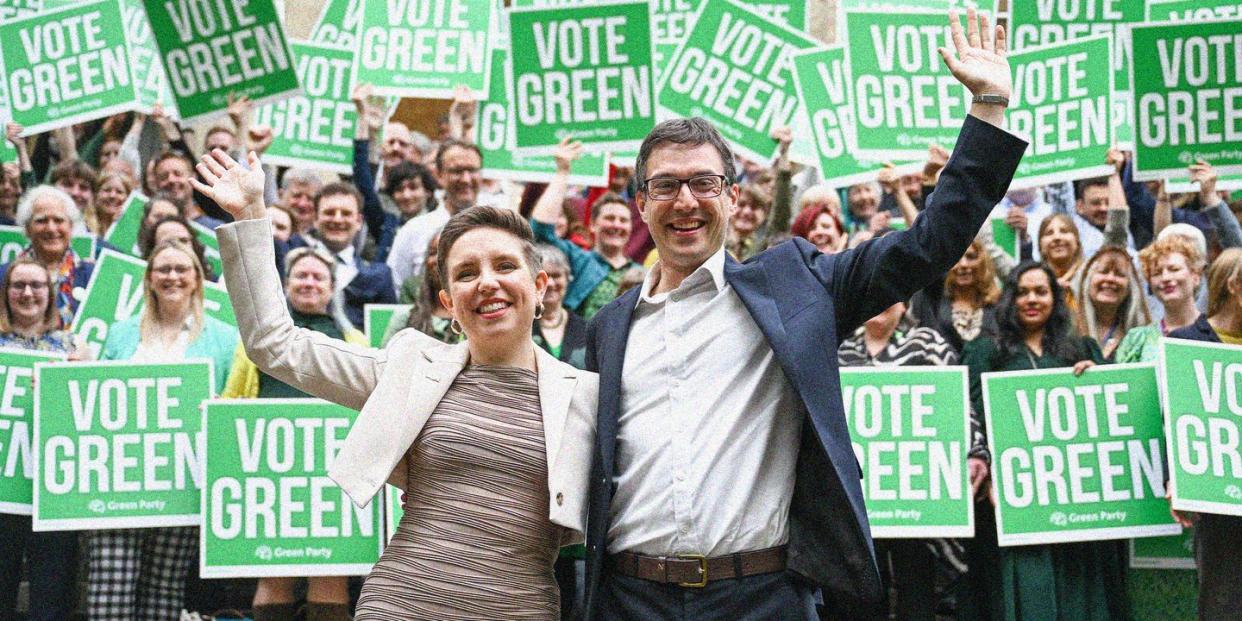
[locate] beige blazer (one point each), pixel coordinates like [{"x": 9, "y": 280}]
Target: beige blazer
[{"x": 395, "y": 389}]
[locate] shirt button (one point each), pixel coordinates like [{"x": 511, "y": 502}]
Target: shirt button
[{"x": 560, "y": 499}]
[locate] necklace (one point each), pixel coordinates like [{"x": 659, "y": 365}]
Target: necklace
[{"x": 561, "y": 316}]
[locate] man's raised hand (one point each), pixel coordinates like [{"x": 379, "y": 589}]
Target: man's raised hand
[
  {"x": 979, "y": 63},
  {"x": 235, "y": 188},
  {"x": 566, "y": 153}
]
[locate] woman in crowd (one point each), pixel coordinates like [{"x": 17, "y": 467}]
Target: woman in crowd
[
  {"x": 890, "y": 340},
  {"x": 1111, "y": 300},
  {"x": 308, "y": 294},
  {"x": 747, "y": 227},
  {"x": 29, "y": 321},
  {"x": 111, "y": 190},
  {"x": 159, "y": 207},
  {"x": 1218, "y": 538},
  {"x": 1060, "y": 248},
  {"x": 469, "y": 448},
  {"x": 140, "y": 573},
  {"x": 282, "y": 222},
  {"x": 421, "y": 292},
  {"x": 1173, "y": 267},
  {"x": 965, "y": 306},
  {"x": 49, "y": 217},
  {"x": 820, "y": 225},
  {"x": 1057, "y": 582},
  {"x": 174, "y": 229},
  {"x": 559, "y": 331}
]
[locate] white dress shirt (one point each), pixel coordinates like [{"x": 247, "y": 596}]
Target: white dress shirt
[
  {"x": 409, "y": 247},
  {"x": 709, "y": 426}
]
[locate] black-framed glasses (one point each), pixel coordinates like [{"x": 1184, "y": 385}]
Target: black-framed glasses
[{"x": 701, "y": 186}]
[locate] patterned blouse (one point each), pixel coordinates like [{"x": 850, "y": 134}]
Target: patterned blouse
[{"x": 58, "y": 341}]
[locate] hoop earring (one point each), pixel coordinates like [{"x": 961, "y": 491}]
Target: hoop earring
[
  {"x": 539, "y": 311},
  {"x": 455, "y": 326}
]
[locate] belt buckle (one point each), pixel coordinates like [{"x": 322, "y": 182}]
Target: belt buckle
[{"x": 702, "y": 570}]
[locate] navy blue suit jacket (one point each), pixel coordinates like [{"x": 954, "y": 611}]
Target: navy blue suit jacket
[{"x": 803, "y": 302}]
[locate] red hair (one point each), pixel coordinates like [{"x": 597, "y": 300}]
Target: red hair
[{"x": 805, "y": 221}]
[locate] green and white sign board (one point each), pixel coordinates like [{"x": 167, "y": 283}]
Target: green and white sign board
[
  {"x": 911, "y": 432},
  {"x": 338, "y": 23},
  {"x": 671, "y": 21},
  {"x": 1202, "y": 384},
  {"x": 211, "y": 247},
  {"x": 1077, "y": 458},
  {"x": 1174, "y": 552},
  {"x": 408, "y": 48},
  {"x": 1186, "y": 98},
  {"x": 12, "y": 242},
  {"x": 733, "y": 69},
  {"x": 213, "y": 49},
  {"x": 585, "y": 73},
  {"x": 17, "y": 428},
  {"x": 145, "y": 55},
  {"x": 822, "y": 80},
  {"x": 1006, "y": 237},
  {"x": 119, "y": 444},
  {"x": 67, "y": 65},
  {"x": 269, "y": 508},
  {"x": 123, "y": 234},
  {"x": 1192, "y": 10},
  {"x": 393, "y": 510},
  {"x": 904, "y": 98},
  {"x": 316, "y": 128},
  {"x": 1044, "y": 22},
  {"x": 115, "y": 293},
  {"x": 376, "y": 318},
  {"x": 1063, "y": 110},
  {"x": 10, "y": 9}
]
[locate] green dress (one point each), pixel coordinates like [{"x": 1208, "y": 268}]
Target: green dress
[{"x": 1052, "y": 582}]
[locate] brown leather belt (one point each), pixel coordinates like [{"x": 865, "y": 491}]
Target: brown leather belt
[{"x": 692, "y": 570}]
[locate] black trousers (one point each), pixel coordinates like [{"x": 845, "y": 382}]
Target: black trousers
[
  {"x": 912, "y": 574},
  {"x": 1218, "y": 553},
  {"x": 779, "y": 596},
  {"x": 51, "y": 560}
]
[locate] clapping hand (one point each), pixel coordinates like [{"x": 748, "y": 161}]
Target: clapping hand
[{"x": 235, "y": 188}]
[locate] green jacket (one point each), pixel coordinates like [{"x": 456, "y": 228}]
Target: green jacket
[{"x": 216, "y": 342}]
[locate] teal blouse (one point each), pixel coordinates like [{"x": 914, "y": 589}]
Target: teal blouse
[{"x": 216, "y": 342}]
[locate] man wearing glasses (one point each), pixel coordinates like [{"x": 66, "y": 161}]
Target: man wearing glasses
[{"x": 724, "y": 485}]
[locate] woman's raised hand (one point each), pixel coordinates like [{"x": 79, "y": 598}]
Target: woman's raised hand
[{"x": 235, "y": 188}]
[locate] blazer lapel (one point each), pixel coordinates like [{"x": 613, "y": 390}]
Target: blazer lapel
[
  {"x": 750, "y": 282},
  {"x": 612, "y": 335},
  {"x": 556, "y": 390},
  {"x": 443, "y": 364}
]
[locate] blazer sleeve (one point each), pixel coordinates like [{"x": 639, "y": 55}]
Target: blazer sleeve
[
  {"x": 310, "y": 361},
  {"x": 878, "y": 273}
]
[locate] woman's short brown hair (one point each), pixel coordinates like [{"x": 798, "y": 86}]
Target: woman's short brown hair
[
  {"x": 487, "y": 218},
  {"x": 1150, "y": 256},
  {"x": 51, "y": 319}
]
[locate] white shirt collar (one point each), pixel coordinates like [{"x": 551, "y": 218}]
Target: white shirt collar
[
  {"x": 712, "y": 270},
  {"x": 346, "y": 255}
]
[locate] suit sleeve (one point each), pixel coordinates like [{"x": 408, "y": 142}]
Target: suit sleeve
[
  {"x": 868, "y": 279},
  {"x": 310, "y": 361}
]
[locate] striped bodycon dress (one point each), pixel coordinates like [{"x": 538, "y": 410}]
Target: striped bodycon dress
[{"x": 475, "y": 541}]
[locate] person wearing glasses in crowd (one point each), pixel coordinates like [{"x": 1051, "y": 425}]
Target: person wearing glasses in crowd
[
  {"x": 49, "y": 217},
  {"x": 29, "y": 321},
  {"x": 140, "y": 573},
  {"x": 596, "y": 274},
  {"x": 687, "y": 522}
]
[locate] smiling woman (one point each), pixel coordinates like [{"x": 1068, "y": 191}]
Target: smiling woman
[{"x": 49, "y": 216}]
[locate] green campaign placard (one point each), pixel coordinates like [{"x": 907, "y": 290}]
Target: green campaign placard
[
  {"x": 586, "y": 74},
  {"x": 1063, "y": 110},
  {"x": 1175, "y": 552},
  {"x": 670, "y": 25},
  {"x": 1202, "y": 385},
  {"x": 123, "y": 234},
  {"x": 316, "y": 128},
  {"x": 269, "y": 508},
  {"x": 84, "y": 245},
  {"x": 118, "y": 444},
  {"x": 148, "y": 73},
  {"x": 393, "y": 510},
  {"x": 822, "y": 81},
  {"x": 1043, "y": 22},
  {"x": 1184, "y": 184},
  {"x": 1006, "y": 238},
  {"x": 12, "y": 242},
  {"x": 211, "y": 50},
  {"x": 904, "y": 98},
  {"x": 493, "y": 135},
  {"x": 67, "y": 65},
  {"x": 911, "y": 432},
  {"x": 17, "y": 427},
  {"x": 1077, "y": 458},
  {"x": 211, "y": 246},
  {"x": 338, "y": 23},
  {"x": 10, "y": 9},
  {"x": 420, "y": 48},
  {"x": 1188, "y": 98},
  {"x": 1192, "y": 10},
  {"x": 376, "y": 318},
  {"x": 115, "y": 293},
  {"x": 734, "y": 70}
]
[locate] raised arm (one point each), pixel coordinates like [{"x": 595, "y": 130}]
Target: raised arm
[
  {"x": 1117, "y": 227},
  {"x": 307, "y": 360},
  {"x": 364, "y": 179},
  {"x": 546, "y": 210},
  {"x": 892, "y": 184},
  {"x": 782, "y": 193},
  {"x": 1227, "y": 228}
]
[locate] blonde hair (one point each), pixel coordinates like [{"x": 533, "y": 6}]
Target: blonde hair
[
  {"x": 986, "y": 291},
  {"x": 1133, "y": 311},
  {"x": 150, "y": 308},
  {"x": 1150, "y": 256},
  {"x": 51, "y": 318},
  {"x": 1224, "y": 270},
  {"x": 1069, "y": 223},
  {"x": 91, "y": 217}
]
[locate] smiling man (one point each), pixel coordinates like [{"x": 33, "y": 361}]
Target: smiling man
[{"x": 724, "y": 484}]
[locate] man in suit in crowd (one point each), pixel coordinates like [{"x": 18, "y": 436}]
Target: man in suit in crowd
[{"x": 724, "y": 485}]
